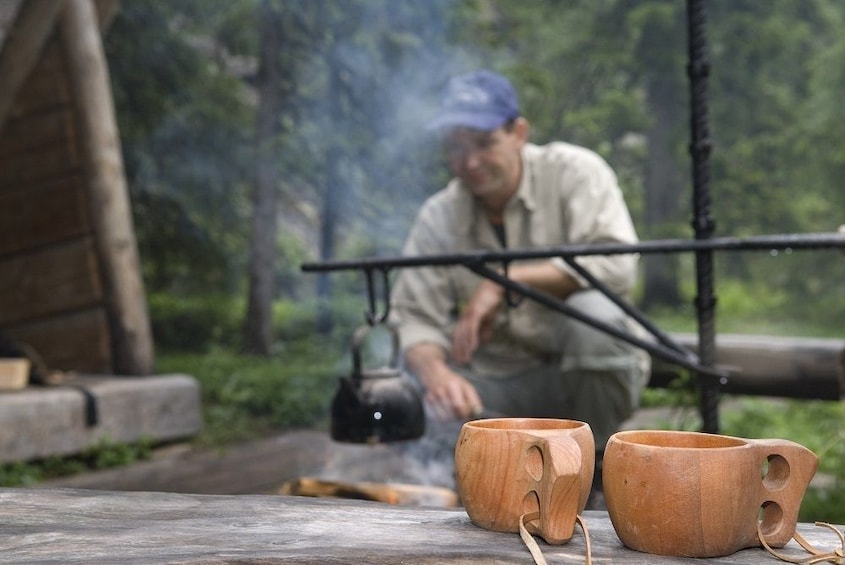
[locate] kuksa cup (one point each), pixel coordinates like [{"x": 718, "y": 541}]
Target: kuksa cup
[
  {"x": 536, "y": 467},
  {"x": 692, "y": 494}
]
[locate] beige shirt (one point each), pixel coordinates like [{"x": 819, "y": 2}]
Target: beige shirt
[{"x": 567, "y": 195}]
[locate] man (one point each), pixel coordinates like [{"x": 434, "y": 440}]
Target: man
[{"x": 473, "y": 353}]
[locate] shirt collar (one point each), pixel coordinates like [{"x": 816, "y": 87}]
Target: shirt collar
[{"x": 527, "y": 184}]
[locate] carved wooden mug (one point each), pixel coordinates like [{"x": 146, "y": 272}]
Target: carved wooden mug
[
  {"x": 540, "y": 468},
  {"x": 693, "y": 494}
]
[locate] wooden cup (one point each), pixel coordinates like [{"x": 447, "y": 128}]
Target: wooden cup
[
  {"x": 14, "y": 374},
  {"x": 510, "y": 467},
  {"x": 692, "y": 494}
]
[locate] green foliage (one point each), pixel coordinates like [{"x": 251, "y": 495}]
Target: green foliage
[
  {"x": 771, "y": 298},
  {"x": 105, "y": 454},
  {"x": 246, "y": 397},
  {"x": 801, "y": 287},
  {"x": 180, "y": 254},
  {"x": 750, "y": 300},
  {"x": 362, "y": 79},
  {"x": 294, "y": 321},
  {"x": 200, "y": 323},
  {"x": 681, "y": 398},
  {"x": 770, "y": 168},
  {"x": 194, "y": 323},
  {"x": 186, "y": 135}
]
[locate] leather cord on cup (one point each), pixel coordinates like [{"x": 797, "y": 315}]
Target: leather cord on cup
[
  {"x": 837, "y": 556},
  {"x": 534, "y": 547}
]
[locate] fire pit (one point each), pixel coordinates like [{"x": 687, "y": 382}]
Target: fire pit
[{"x": 413, "y": 473}]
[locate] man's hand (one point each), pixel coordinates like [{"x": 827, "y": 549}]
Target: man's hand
[
  {"x": 476, "y": 322},
  {"x": 448, "y": 395}
]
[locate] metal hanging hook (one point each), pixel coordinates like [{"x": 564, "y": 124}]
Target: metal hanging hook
[
  {"x": 513, "y": 300},
  {"x": 373, "y": 316}
]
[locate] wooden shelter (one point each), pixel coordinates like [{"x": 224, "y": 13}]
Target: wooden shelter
[
  {"x": 70, "y": 283},
  {"x": 71, "y": 292}
]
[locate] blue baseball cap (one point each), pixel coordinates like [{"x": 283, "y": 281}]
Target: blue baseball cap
[{"x": 481, "y": 100}]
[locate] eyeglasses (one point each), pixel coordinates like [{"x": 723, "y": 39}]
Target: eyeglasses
[{"x": 458, "y": 146}]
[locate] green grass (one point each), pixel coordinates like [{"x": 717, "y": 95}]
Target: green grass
[
  {"x": 104, "y": 455},
  {"x": 245, "y": 397}
]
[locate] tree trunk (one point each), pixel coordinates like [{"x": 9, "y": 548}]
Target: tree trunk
[
  {"x": 329, "y": 218},
  {"x": 663, "y": 189},
  {"x": 258, "y": 326},
  {"x": 328, "y": 225}
]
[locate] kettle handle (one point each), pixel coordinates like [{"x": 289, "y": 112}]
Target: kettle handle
[{"x": 357, "y": 340}]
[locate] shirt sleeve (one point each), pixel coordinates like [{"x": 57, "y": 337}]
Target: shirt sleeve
[
  {"x": 423, "y": 300},
  {"x": 594, "y": 211}
]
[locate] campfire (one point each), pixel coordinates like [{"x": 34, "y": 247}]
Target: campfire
[
  {"x": 414, "y": 472},
  {"x": 391, "y": 493}
]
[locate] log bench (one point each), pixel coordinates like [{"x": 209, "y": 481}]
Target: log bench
[
  {"x": 787, "y": 367},
  {"x": 97, "y": 527}
]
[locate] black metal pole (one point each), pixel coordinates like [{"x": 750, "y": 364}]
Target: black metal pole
[
  {"x": 476, "y": 261},
  {"x": 705, "y": 302},
  {"x": 665, "y": 349},
  {"x": 752, "y": 243}
]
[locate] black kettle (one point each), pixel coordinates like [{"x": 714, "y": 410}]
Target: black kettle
[{"x": 377, "y": 405}]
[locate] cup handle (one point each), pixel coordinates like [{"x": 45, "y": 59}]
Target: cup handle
[
  {"x": 790, "y": 468},
  {"x": 560, "y": 489}
]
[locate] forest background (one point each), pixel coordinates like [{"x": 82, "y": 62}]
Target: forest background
[{"x": 261, "y": 134}]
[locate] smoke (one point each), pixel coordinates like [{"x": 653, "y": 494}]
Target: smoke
[
  {"x": 427, "y": 461},
  {"x": 365, "y": 76},
  {"x": 376, "y": 75},
  {"x": 382, "y": 73},
  {"x": 364, "y": 91}
]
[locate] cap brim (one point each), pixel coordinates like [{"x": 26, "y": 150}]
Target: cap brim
[{"x": 471, "y": 120}]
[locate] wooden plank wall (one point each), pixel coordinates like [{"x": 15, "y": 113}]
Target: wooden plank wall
[{"x": 51, "y": 293}]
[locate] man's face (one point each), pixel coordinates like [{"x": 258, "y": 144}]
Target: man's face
[{"x": 488, "y": 163}]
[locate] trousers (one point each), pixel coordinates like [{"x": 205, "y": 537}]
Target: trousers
[{"x": 594, "y": 377}]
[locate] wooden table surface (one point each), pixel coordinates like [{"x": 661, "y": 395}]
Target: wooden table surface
[{"x": 95, "y": 527}]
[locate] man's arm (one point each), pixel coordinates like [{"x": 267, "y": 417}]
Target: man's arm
[
  {"x": 546, "y": 277},
  {"x": 476, "y": 322},
  {"x": 594, "y": 211}
]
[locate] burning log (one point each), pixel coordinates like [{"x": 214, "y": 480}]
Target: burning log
[{"x": 391, "y": 493}]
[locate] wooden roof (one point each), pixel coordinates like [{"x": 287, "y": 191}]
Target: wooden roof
[{"x": 70, "y": 282}]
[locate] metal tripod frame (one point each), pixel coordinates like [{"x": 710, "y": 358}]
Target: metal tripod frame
[{"x": 710, "y": 378}]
